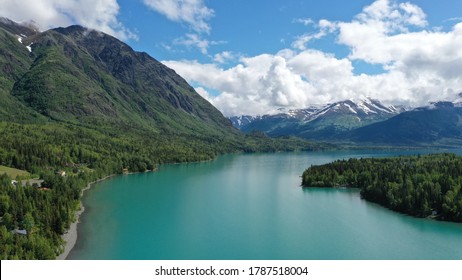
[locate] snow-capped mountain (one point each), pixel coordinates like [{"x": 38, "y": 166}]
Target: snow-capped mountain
[
  {"x": 368, "y": 121},
  {"x": 363, "y": 109},
  {"x": 436, "y": 124},
  {"x": 23, "y": 31},
  {"x": 458, "y": 101},
  {"x": 320, "y": 122},
  {"x": 242, "y": 121}
]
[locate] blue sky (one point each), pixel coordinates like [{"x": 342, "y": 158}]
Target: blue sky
[
  {"x": 253, "y": 27},
  {"x": 255, "y": 56}
]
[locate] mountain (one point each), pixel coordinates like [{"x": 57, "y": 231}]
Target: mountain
[
  {"x": 87, "y": 85},
  {"x": 327, "y": 122},
  {"x": 22, "y": 30},
  {"x": 437, "y": 124},
  {"x": 14, "y": 63},
  {"x": 240, "y": 122},
  {"x": 79, "y": 76},
  {"x": 366, "y": 122},
  {"x": 81, "y": 101}
]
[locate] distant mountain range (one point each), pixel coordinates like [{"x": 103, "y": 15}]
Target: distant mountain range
[
  {"x": 320, "y": 122},
  {"x": 437, "y": 124},
  {"x": 365, "y": 121}
]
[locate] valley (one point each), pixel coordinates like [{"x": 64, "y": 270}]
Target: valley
[
  {"x": 82, "y": 103},
  {"x": 79, "y": 105}
]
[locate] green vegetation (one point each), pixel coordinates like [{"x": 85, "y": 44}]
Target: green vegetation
[
  {"x": 87, "y": 104},
  {"x": 439, "y": 126},
  {"x": 14, "y": 173},
  {"x": 43, "y": 213},
  {"x": 86, "y": 155},
  {"x": 417, "y": 185}
]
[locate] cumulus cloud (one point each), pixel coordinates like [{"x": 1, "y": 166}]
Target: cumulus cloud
[
  {"x": 419, "y": 65},
  {"x": 381, "y": 31},
  {"x": 257, "y": 85},
  {"x": 96, "y": 14},
  {"x": 224, "y": 57},
  {"x": 192, "y": 12}
]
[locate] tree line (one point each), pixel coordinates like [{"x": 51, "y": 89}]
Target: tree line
[
  {"x": 87, "y": 154},
  {"x": 424, "y": 185}
]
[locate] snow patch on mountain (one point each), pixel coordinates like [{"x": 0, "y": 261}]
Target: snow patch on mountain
[
  {"x": 351, "y": 109},
  {"x": 240, "y": 121},
  {"x": 359, "y": 109}
]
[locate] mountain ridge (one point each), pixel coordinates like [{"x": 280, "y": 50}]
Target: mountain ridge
[
  {"x": 440, "y": 123},
  {"x": 320, "y": 122},
  {"x": 91, "y": 76},
  {"x": 74, "y": 77},
  {"x": 367, "y": 122}
]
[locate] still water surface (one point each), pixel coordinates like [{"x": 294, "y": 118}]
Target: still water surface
[{"x": 251, "y": 207}]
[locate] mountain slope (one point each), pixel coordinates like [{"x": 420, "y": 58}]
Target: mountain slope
[
  {"x": 72, "y": 78},
  {"x": 84, "y": 76},
  {"x": 323, "y": 123},
  {"x": 81, "y": 101},
  {"x": 14, "y": 63},
  {"x": 439, "y": 124},
  {"x": 69, "y": 79}
]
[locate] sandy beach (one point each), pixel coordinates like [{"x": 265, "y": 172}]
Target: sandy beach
[{"x": 70, "y": 237}]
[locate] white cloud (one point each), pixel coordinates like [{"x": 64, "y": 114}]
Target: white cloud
[
  {"x": 203, "y": 92},
  {"x": 96, "y": 14},
  {"x": 381, "y": 31},
  {"x": 224, "y": 57},
  {"x": 413, "y": 14},
  {"x": 393, "y": 16},
  {"x": 258, "y": 85},
  {"x": 304, "y": 21},
  {"x": 420, "y": 66},
  {"x": 196, "y": 41},
  {"x": 192, "y": 12},
  {"x": 458, "y": 19},
  {"x": 325, "y": 27},
  {"x": 302, "y": 40},
  {"x": 193, "y": 40}
]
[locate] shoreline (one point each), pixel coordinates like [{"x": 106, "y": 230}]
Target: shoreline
[{"x": 70, "y": 237}]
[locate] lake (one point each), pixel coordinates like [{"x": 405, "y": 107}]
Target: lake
[{"x": 251, "y": 206}]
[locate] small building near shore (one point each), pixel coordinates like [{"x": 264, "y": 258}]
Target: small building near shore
[{"x": 20, "y": 231}]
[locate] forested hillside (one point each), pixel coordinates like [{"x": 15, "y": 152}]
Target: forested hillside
[
  {"x": 82, "y": 103},
  {"x": 418, "y": 185}
]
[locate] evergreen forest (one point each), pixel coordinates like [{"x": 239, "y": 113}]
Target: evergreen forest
[
  {"x": 78, "y": 105},
  {"x": 421, "y": 186}
]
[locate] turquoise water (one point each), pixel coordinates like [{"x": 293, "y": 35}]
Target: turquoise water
[{"x": 251, "y": 207}]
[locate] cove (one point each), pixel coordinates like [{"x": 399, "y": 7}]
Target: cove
[{"x": 251, "y": 206}]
